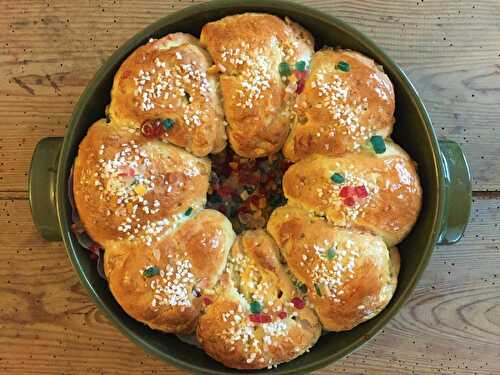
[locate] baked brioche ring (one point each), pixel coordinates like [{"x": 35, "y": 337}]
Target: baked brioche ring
[
  {"x": 128, "y": 187},
  {"x": 141, "y": 179},
  {"x": 256, "y": 54},
  {"x": 350, "y": 275},
  {"x": 167, "y": 80},
  {"x": 346, "y": 100},
  {"x": 258, "y": 319},
  {"x": 163, "y": 285},
  {"x": 380, "y": 193}
]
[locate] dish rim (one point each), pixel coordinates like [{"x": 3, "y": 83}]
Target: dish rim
[{"x": 265, "y": 6}]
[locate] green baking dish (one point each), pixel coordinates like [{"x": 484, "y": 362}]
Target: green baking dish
[{"x": 442, "y": 167}]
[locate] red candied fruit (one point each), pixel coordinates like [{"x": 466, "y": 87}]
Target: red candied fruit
[
  {"x": 254, "y": 199},
  {"x": 77, "y": 229},
  {"x": 300, "y": 75},
  {"x": 127, "y": 73},
  {"x": 94, "y": 248},
  {"x": 301, "y": 80},
  {"x": 152, "y": 128},
  {"x": 207, "y": 301},
  {"x": 225, "y": 192},
  {"x": 260, "y": 318},
  {"x": 130, "y": 172},
  {"x": 349, "y": 201},
  {"x": 301, "y": 84},
  {"x": 248, "y": 178},
  {"x": 265, "y": 178},
  {"x": 361, "y": 191},
  {"x": 346, "y": 191},
  {"x": 255, "y": 179},
  {"x": 243, "y": 209},
  {"x": 282, "y": 314},
  {"x": 298, "y": 303}
]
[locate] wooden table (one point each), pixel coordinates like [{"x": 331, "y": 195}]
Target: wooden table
[{"x": 50, "y": 50}]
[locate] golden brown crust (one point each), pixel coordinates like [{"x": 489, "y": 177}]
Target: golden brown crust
[
  {"x": 126, "y": 186},
  {"x": 186, "y": 264},
  {"x": 339, "y": 111},
  {"x": 228, "y": 331},
  {"x": 248, "y": 49},
  {"x": 350, "y": 275},
  {"x": 178, "y": 267},
  {"x": 168, "y": 79},
  {"x": 394, "y": 195}
]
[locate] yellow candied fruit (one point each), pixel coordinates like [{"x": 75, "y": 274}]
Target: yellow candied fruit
[
  {"x": 214, "y": 69},
  {"x": 257, "y": 214},
  {"x": 263, "y": 202},
  {"x": 244, "y": 195},
  {"x": 140, "y": 190},
  {"x": 259, "y": 333}
]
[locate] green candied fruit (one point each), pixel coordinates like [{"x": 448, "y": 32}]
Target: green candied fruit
[
  {"x": 151, "y": 271},
  {"x": 300, "y": 66},
  {"x": 378, "y": 144},
  {"x": 255, "y": 307},
  {"x": 338, "y": 178},
  {"x": 276, "y": 200},
  {"x": 343, "y": 66},
  {"x": 284, "y": 69},
  {"x": 318, "y": 290},
  {"x": 331, "y": 253},
  {"x": 168, "y": 123}
]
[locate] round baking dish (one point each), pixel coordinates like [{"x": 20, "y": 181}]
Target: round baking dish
[{"x": 442, "y": 167}]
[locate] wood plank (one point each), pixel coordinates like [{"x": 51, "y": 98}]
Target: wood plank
[
  {"x": 50, "y": 50},
  {"x": 49, "y": 324}
]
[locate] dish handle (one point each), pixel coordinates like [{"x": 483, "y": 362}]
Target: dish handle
[
  {"x": 42, "y": 187},
  {"x": 458, "y": 192},
  {"x": 43, "y": 173}
]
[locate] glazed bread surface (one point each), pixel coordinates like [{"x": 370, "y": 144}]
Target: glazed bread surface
[
  {"x": 168, "y": 80},
  {"x": 350, "y": 275},
  {"x": 163, "y": 285},
  {"x": 248, "y": 50},
  {"x": 326, "y": 259},
  {"x": 346, "y": 100},
  {"x": 380, "y": 193},
  {"x": 129, "y": 187},
  {"x": 258, "y": 318}
]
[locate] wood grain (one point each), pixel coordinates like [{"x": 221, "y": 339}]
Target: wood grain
[
  {"x": 49, "y": 324},
  {"x": 450, "y": 49}
]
